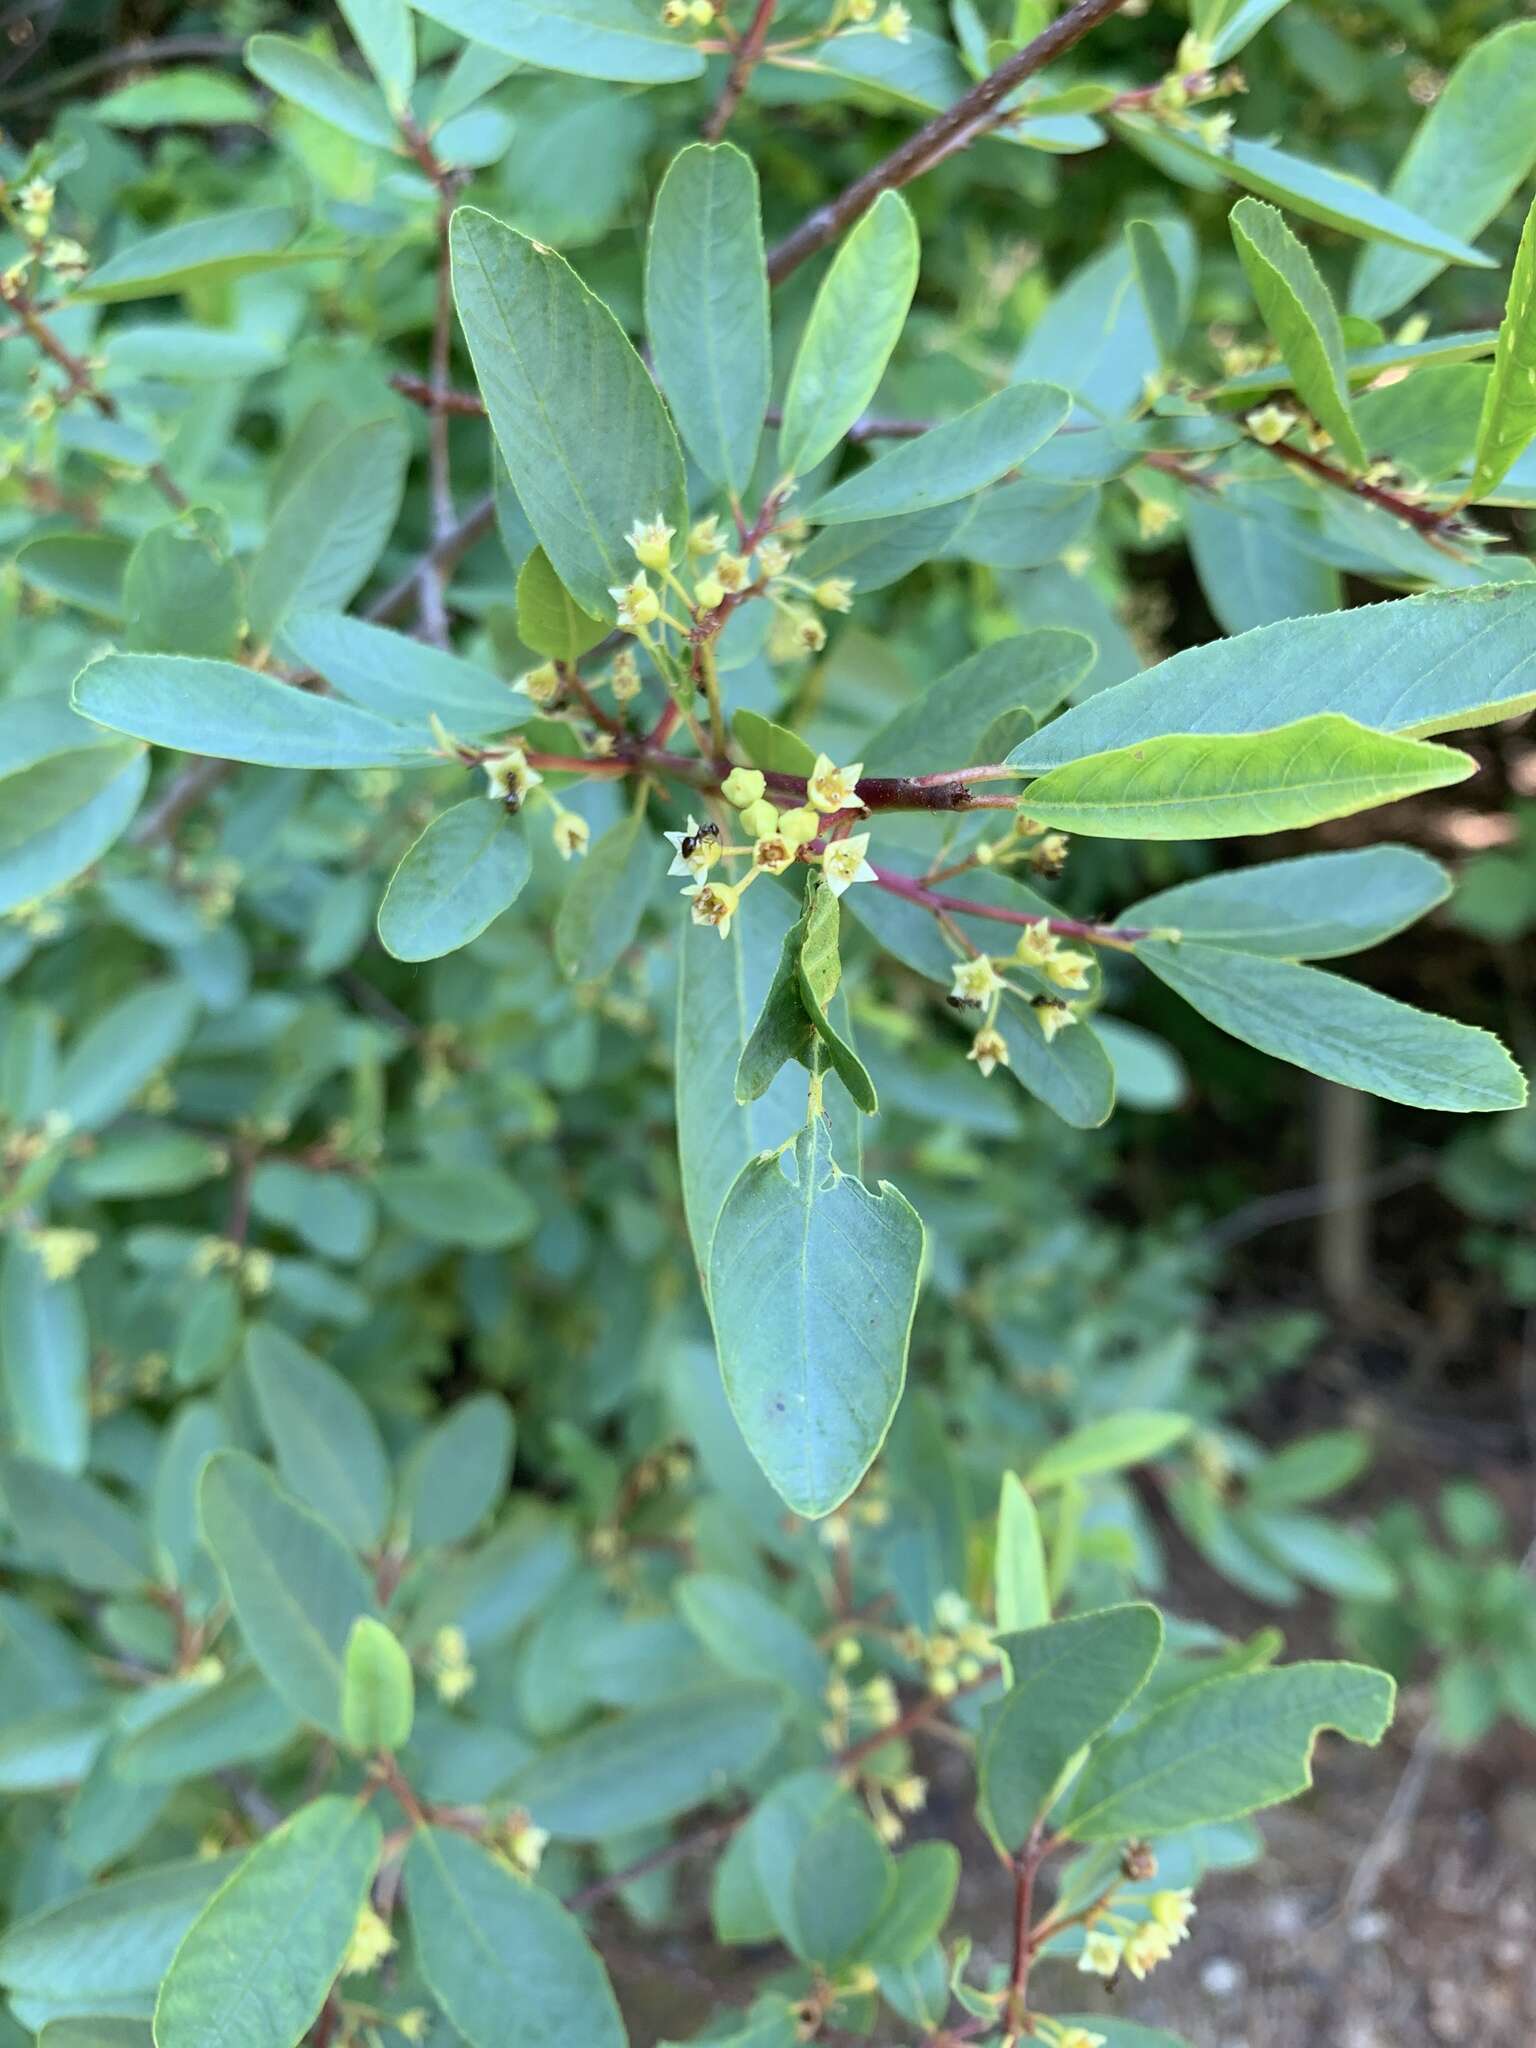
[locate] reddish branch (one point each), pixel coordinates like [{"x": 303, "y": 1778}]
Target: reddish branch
[
  {"x": 748, "y": 55},
  {"x": 1434, "y": 525},
  {"x": 962, "y": 906},
  {"x": 955, "y": 129}
]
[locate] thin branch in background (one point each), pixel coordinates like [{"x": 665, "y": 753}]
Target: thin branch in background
[
  {"x": 156, "y": 50},
  {"x": 955, "y": 129}
]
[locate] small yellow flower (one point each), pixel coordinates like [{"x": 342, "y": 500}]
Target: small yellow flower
[
  {"x": 910, "y": 1793},
  {"x": 861, "y": 10},
  {"x": 542, "y": 685},
  {"x": 1271, "y": 423},
  {"x": 714, "y": 904},
  {"x": 413, "y": 2023},
  {"x": 1049, "y": 856},
  {"x": 708, "y": 593},
  {"x": 989, "y": 1049},
  {"x": 509, "y": 777},
  {"x": 705, "y": 537},
  {"x": 951, "y": 1610},
  {"x": 890, "y": 1827},
  {"x": 760, "y": 819},
  {"x": 624, "y": 676},
  {"x": 257, "y": 1272},
  {"x": 702, "y": 12},
  {"x": 1215, "y": 130},
  {"x": 1145, "y": 1949},
  {"x": 573, "y": 835},
  {"x": 975, "y": 980},
  {"x": 1101, "y": 1955},
  {"x": 1037, "y": 944},
  {"x": 1172, "y": 1911},
  {"x": 835, "y": 594},
  {"x": 773, "y": 557},
  {"x": 526, "y": 1845},
  {"x": 694, "y": 850},
  {"x": 638, "y": 605},
  {"x": 1052, "y": 1016},
  {"x": 800, "y": 826},
  {"x": 65, "y": 257},
  {"x": 808, "y": 630},
  {"x": 833, "y": 789},
  {"x": 743, "y": 786},
  {"x": 847, "y": 1652},
  {"x": 1069, "y": 970},
  {"x": 734, "y": 571},
  {"x": 843, "y": 863},
  {"x": 62, "y": 1252},
  {"x": 1079, "y": 2037},
  {"x": 371, "y": 1942},
  {"x": 1154, "y": 517},
  {"x": 896, "y": 23},
  {"x": 452, "y": 1673},
  {"x": 772, "y": 853},
  {"x": 674, "y": 14}
]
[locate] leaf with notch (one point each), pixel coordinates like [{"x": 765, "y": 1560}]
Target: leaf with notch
[{"x": 813, "y": 1285}]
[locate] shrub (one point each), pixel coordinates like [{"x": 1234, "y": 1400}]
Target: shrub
[{"x": 440, "y": 1495}]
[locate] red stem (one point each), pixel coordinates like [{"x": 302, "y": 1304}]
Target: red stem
[
  {"x": 748, "y": 54},
  {"x": 961, "y": 906}
]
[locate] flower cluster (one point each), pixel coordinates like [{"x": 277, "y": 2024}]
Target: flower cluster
[
  {"x": 956, "y": 1651},
  {"x": 448, "y": 1665},
  {"x": 778, "y": 838},
  {"x": 980, "y": 983},
  {"x": 1115, "y": 1942}
]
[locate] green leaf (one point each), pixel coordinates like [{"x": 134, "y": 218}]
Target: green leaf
[
  {"x": 1024, "y": 677},
  {"x": 927, "y": 1878},
  {"x": 1022, "y": 1595},
  {"x": 329, "y": 527},
  {"x": 606, "y": 897},
  {"x": 182, "y": 591},
  {"x": 467, "y": 867},
  {"x": 320, "y": 85},
  {"x": 458, "y": 1473},
  {"x": 1251, "y": 571},
  {"x": 213, "y": 250},
  {"x": 723, "y": 985},
  {"x": 260, "y": 1959},
  {"x": 189, "y": 96},
  {"x": 1299, "y": 312},
  {"x": 1418, "y": 665},
  {"x": 401, "y": 679},
  {"x": 1508, "y": 424},
  {"x": 384, "y": 32},
  {"x": 749, "y": 1634},
  {"x": 1224, "y": 1749},
  {"x": 1306, "y": 188},
  {"x": 951, "y": 460},
  {"x": 1132, "y": 1437},
  {"x": 214, "y": 707},
  {"x": 1216, "y": 787},
  {"x": 592, "y": 38},
  {"x": 771, "y": 746},
  {"x": 1340, "y": 1030},
  {"x": 506, "y": 1962},
  {"x": 1335, "y": 1560},
  {"x": 240, "y": 1720},
  {"x": 794, "y": 1024},
  {"x": 648, "y": 1766},
  {"x": 46, "y": 860},
  {"x": 1313, "y": 907},
  {"x": 122, "y": 1049},
  {"x": 1070, "y": 1680},
  {"x": 1309, "y": 1469},
  {"x": 73, "y": 1526},
  {"x": 45, "y": 1352},
  {"x": 855, "y": 323},
  {"x": 1162, "y": 289},
  {"x": 813, "y": 1388},
  {"x": 84, "y": 569},
  {"x": 106, "y": 1948},
  {"x": 329, "y": 1452},
  {"x": 1471, "y": 153},
  {"x": 378, "y": 1693},
  {"x": 333, "y": 1212},
  {"x": 1224, "y": 26},
  {"x": 476, "y": 1208},
  {"x": 842, "y": 1882},
  {"x": 583, "y": 432},
  {"x": 549, "y": 620},
  {"x": 295, "y": 1587},
  {"x": 706, "y": 308}
]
